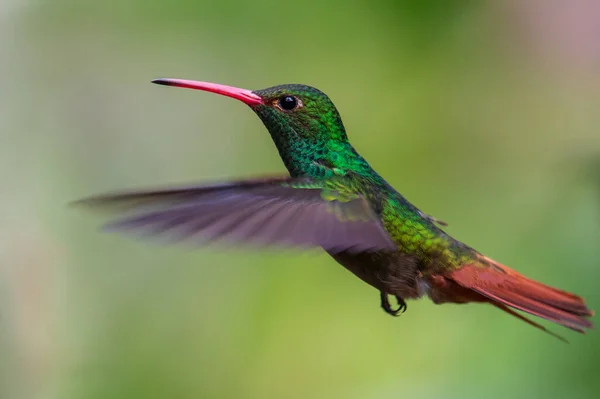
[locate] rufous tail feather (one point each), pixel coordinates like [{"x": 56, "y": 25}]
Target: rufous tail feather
[{"x": 505, "y": 289}]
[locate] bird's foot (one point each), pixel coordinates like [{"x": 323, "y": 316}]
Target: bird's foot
[
  {"x": 387, "y": 306},
  {"x": 402, "y": 306}
]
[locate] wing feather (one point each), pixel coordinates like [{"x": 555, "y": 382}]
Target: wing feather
[{"x": 282, "y": 212}]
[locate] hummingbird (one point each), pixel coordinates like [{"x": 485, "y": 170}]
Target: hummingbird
[{"x": 332, "y": 198}]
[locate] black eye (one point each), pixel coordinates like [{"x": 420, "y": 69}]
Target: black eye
[{"x": 288, "y": 103}]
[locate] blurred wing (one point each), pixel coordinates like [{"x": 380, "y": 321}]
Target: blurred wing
[
  {"x": 433, "y": 220},
  {"x": 269, "y": 212}
]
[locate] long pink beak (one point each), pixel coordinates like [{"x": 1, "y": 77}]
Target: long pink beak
[{"x": 246, "y": 96}]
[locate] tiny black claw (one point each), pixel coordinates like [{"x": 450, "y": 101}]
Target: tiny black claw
[
  {"x": 401, "y": 304},
  {"x": 387, "y": 307}
]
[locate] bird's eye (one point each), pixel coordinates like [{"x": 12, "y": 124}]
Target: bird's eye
[{"x": 288, "y": 103}]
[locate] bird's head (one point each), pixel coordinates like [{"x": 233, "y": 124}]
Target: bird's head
[{"x": 303, "y": 122}]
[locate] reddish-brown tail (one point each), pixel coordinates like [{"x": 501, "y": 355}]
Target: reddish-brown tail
[{"x": 505, "y": 289}]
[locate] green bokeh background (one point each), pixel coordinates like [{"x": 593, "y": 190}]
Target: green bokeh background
[{"x": 452, "y": 101}]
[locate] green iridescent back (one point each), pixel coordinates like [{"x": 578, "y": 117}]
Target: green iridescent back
[{"x": 416, "y": 233}]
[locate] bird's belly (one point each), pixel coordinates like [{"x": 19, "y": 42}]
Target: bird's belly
[{"x": 393, "y": 273}]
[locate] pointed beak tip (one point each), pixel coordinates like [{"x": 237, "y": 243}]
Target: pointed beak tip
[{"x": 162, "y": 81}]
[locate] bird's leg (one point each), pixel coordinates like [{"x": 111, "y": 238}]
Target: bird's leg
[{"x": 387, "y": 307}]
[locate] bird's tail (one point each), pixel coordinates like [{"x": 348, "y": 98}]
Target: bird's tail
[{"x": 506, "y": 289}]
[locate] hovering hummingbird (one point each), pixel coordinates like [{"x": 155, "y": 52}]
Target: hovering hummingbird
[{"x": 333, "y": 199}]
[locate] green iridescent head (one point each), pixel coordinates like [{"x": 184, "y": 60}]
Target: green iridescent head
[
  {"x": 303, "y": 122},
  {"x": 304, "y": 110}
]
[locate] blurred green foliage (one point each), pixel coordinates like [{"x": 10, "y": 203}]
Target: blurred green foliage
[{"x": 446, "y": 99}]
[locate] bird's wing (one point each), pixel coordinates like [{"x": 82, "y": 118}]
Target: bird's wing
[
  {"x": 300, "y": 212},
  {"x": 433, "y": 219}
]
